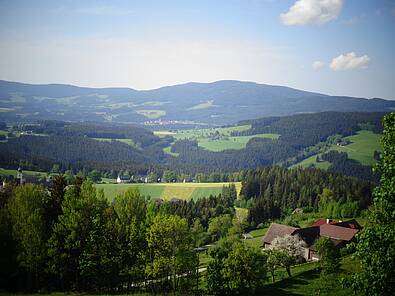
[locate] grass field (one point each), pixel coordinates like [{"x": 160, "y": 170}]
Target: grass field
[
  {"x": 207, "y": 140},
  {"x": 167, "y": 191},
  {"x": 168, "y": 151},
  {"x": 231, "y": 142},
  {"x": 312, "y": 161},
  {"x": 361, "y": 148},
  {"x": 7, "y": 172},
  {"x": 126, "y": 141}
]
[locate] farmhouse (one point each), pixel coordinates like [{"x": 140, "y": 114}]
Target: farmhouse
[
  {"x": 341, "y": 233},
  {"x": 123, "y": 179}
]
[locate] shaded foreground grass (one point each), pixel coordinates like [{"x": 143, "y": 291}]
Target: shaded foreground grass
[{"x": 305, "y": 280}]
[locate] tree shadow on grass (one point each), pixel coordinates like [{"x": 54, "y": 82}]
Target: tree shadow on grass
[{"x": 290, "y": 286}]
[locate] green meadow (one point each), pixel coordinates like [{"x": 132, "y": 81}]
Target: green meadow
[
  {"x": 215, "y": 139},
  {"x": 361, "y": 148},
  {"x": 167, "y": 191},
  {"x": 7, "y": 172}
]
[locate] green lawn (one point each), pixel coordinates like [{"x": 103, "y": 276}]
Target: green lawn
[
  {"x": 258, "y": 235},
  {"x": 168, "y": 191}
]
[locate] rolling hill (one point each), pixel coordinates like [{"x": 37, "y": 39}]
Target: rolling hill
[{"x": 217, "y": 103}]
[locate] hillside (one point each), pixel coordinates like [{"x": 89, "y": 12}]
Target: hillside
[
  {"x": 216, "y": 103},
  {"x": 110, "y": 147}
]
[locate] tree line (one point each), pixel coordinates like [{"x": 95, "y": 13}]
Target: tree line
[{"x": 275, "y": 192}]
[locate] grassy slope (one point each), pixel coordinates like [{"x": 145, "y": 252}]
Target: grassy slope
[
  {"x": 204, "y": 141},
  {"x": 232, "y": 142},
  {"x": 306, "y": 280},
  {"x": 311, "y": 161},
  {"x": 360, "y": 149},
  {"x": 167, "y": 191}
]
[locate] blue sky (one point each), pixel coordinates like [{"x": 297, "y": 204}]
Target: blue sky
[{"x": 339, "y": 47}]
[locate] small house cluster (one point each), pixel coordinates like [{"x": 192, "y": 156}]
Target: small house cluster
[{"x": 341, "y": 233}]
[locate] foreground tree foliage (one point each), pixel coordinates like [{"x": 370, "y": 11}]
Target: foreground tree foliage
[
  {"x": 329, "y": 255},
  {"x": 375, "y": 246},
  {"x": 236, "y": 268},
  {"x": 27, "y": 210},
  {"x": 72, "y": 239}
]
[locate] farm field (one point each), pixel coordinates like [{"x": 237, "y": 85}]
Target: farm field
[
  {"x": 214, "y": 139},
  {"x": 361, "y": 148},
  {"x": 167, "y": 191}
]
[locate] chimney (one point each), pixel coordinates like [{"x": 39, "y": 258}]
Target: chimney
[{"x": 327, "y": 221}]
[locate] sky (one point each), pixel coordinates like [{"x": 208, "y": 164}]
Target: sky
[{"x": 336, "y": 47}]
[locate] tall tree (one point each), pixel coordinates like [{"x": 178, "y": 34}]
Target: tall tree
[
  {"x": 76, "y": 236},
  {"x": 375, "y": 246},
  {"x": 27, "y": 211},
  {"x": 170, "y": 250}
]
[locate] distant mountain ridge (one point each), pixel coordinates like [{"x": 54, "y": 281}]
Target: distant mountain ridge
[{"x": 221, "y": 102}]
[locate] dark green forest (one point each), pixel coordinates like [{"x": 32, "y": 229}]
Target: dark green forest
[
  {"x": 70, "y": 236},
  {"x": 72, "y": 147}
]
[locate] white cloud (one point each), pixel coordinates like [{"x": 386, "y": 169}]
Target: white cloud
[
  {"x": 349, "y": 61},
  {"x": 317, "y": 65},
  {"x": 312, "y": 12}
]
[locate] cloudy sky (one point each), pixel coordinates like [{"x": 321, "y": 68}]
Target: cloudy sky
[{"x": 339, "y": 47}]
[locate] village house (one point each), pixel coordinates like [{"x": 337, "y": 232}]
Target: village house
[
  {"x": 123, "y": 179},
  {"x": 341, "y": 233}
]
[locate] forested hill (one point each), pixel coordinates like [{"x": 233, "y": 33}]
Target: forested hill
[
  {"x": 111, "y": 148},
  {"x": 221, "y": 102},
  {"x": 106, "y": 147},
  {"x": 298, "y": 136}
]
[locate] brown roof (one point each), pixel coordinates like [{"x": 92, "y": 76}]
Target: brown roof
[
  {"x": 349, "y": 224},
  {"x": 309, "y": 234},
  {"x": 337, "y": 232},
  {"x": 320, "y": 222},
  {"x": 277, "y": 230}
]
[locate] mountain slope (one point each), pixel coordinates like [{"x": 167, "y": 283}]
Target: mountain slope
[{"x": 221, "y": 102}]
